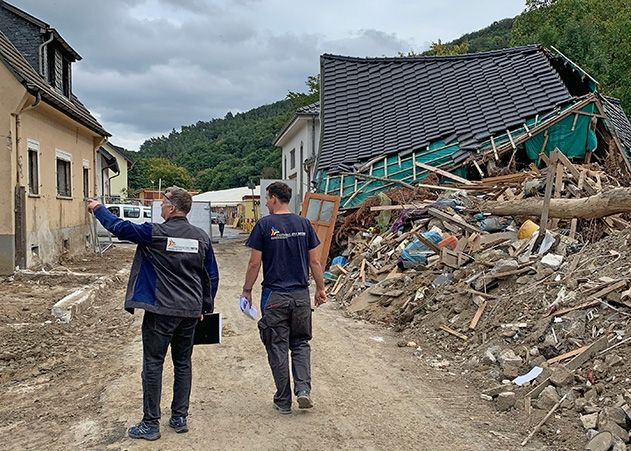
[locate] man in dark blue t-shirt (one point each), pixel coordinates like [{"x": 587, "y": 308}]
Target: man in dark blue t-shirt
[{"x": 286, "y": 245}]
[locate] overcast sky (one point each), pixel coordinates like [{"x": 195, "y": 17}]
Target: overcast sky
[{"x": 153, "y": 65}]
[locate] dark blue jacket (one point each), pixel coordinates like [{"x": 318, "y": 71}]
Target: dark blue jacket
[{"x": 174, "y": 270}]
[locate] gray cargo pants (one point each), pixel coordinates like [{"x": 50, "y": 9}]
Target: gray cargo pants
[{"x": 286, "y": 326}]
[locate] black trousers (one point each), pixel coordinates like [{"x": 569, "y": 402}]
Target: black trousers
[
  {"x": 221, "y": 227},
  {"x": 157, "y": 332},
  {"x": 286, "y": 326}
]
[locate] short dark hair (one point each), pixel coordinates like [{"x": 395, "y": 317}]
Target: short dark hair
[
  {"x": 179, "y": 198},
  {"x": 281, "y": 191}
]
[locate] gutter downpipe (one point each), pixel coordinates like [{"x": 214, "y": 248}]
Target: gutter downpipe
[
  {"x": 19, "y": 222},
  {"x": 317, "y": 159},
  {"x": 94, "y": 157},
  {"x": 41, "y": 54}
]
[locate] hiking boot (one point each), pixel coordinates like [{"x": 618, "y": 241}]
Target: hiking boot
[
  {"x": 304, "y": 400},
  {"x": 282, "y": 410},
  {"x": 144, "y": 431},
  {"x": 179, "y": 424}
]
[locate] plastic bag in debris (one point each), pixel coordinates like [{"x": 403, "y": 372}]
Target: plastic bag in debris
[
  {"x": 417, "y": 252},
  {"x": 453, "y": 203},
  {"x": 493, "y": 224},
  {"x": 339, "y": 260},
  {"x": 546, "y": 244}
]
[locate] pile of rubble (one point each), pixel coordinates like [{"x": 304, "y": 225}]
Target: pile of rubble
[{"x": 536, "y": 311}]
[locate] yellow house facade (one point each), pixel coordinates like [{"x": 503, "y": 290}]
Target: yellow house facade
[
  {"x": 47, "y": 157},
  {"x": 112, "y": 173}
]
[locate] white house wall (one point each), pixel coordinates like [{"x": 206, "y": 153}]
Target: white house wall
[{"x": 305, "y": 137}]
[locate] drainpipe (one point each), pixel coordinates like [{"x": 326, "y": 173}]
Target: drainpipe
[
  {"x": 40, "y": 53},
  {"x": 313, "y": 154},
  {"x": 100, "y": 143},
  {"x": 18, "y": 123}
]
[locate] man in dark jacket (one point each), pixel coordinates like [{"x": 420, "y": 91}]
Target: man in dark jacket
[{"x": 174, "y": 278}]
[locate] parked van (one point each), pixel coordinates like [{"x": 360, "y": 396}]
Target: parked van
[{"x": 134, "y": 213}]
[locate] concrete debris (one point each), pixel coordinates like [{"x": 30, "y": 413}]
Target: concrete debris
[
  {"x": 491, "y": 298},
  {"x": 547, "y": 399},
  {"x": 505, "y": 401},
  {"x": 601, "y": 442},
  {"x": 590, "y": 421}
]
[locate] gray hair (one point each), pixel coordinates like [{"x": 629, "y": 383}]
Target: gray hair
[{"x": 179, "y": 198}]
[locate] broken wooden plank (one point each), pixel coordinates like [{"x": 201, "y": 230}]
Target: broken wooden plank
[
  {"x": 480, "y": 293},
  {"x": 379, "y": 179},
  {"x": 573, "y": 364},
  {"x": 447, "y": 217},
  {"x": 478, "y": 315},
  {"x": 513, "y": 272},
  {"x": 362, "y": 271},
  {"x": 567, "y": 355},
  {"x": 444, "y": 173},
  {"x": 455, "y": 333},
  {"x": 558, "y": 188},
  {"x": 545, "y": 209},
  {"x": 400, "y": 207},
  {"x": 339, "y": 284},
  {"x": 341, "y": 269},
  {"x": 429, "y": 244},
  {"x": 541, "y": 423},
  {"x": 574, "y": 171},
  {"x": 443, "y": 188},
  {"x": 593, "y": 299},
  {"x": 478, "y": 168}
]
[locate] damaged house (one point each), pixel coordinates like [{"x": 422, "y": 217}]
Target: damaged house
[
  {"x": 389, "y": 122},
  {"x": 47, "y": 166}
]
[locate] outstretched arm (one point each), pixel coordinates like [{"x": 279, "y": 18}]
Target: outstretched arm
[{"x": 121, "y": 229}]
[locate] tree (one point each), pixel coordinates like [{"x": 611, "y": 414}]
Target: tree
[
  {"x": 299, "y": 99},
  {"x": 440, "y": 49},
  {"x": 170, "y": 173},
  {"x": 593, "y": 33}
]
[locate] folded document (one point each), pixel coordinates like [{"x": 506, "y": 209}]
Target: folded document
[{"x": 247, "y": 308}]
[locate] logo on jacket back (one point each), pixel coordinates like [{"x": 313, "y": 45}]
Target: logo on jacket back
[
  {"x": 182, "y": 245},
  {"x": 278, "y": 235}
]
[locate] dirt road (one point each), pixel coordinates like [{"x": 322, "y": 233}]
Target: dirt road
[{"x": 369, "y": 394}]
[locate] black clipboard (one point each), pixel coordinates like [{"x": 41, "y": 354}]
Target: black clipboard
[{"x": 208, "y": 331}]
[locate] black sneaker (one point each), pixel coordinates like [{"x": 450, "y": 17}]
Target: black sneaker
[
  {"x": 144, "y": 431},
  {"x": 179, "y": 424},
  {"x": 282, "y": 410},
  {"x": 304, "y": 400}
]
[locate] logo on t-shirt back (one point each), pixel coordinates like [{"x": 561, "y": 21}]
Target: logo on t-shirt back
[{"x": 278, "y": 235}]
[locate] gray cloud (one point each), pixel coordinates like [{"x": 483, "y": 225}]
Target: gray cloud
[{"x": 153, "y": 65}]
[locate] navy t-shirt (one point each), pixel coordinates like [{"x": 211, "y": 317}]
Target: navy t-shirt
[{"x": 285, "y": 241}]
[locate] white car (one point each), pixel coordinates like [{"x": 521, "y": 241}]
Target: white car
[{"x": 134, "y": 213}]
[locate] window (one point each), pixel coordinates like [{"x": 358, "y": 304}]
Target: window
[
  {"x": 86, "y": 183},
  {"x": 50, "y": 59},
  {"x": 292, "y": 159},
  {"x": 115, "y": 211},
  {"x": 64, "y": 173},
  {"x": 146, "y": 213},
  {"x": 33, "y": 167},
  {"x": 65, "y": 78},
  {"x": 131, "y": 212}
]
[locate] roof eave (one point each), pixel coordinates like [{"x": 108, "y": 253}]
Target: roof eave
[{"x": 286, "y": 131}]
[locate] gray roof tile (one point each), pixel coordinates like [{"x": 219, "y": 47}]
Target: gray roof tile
[
  {"x": 618, "y": 120},
  {"x": 402, "y": 104},
  {"x": 34, "y": 82}
]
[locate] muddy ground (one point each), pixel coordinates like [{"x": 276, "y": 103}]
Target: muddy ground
[{"x": 77, "y": 385}]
